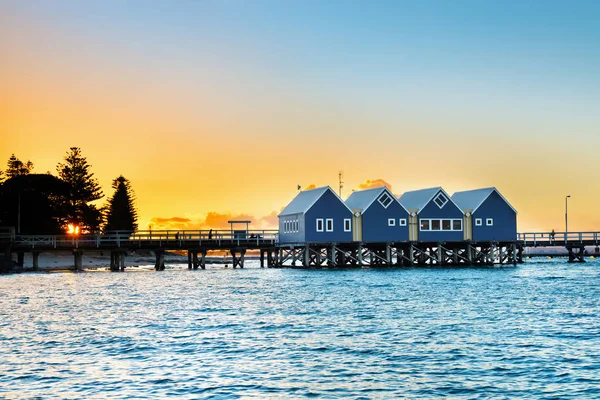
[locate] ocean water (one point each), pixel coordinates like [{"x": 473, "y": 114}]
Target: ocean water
[{"x": 531, "y": 331}]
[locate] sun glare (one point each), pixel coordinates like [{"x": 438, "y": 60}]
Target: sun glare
[{"x": 72, "y": 229}]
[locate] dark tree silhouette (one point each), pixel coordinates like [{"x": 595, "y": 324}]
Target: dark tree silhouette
[
  {"x": 1, "y": 176},
  {"x": 16, "y": 167},
  {"x": 121, "y": 212},
  {"x": 84, "y": 189},
  {"x": 40, "y": 198}
]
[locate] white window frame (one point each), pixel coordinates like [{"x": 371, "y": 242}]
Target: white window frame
[
  {"x": 391, "y": 221},
  {"x": 489, "y": 222},
  {"x": 385, "y": 194},
  {"x": 443, "y": 198},
  {"x": 347, "y": 225},
  {"x": 285, "y": 226},
  {"x": 440, "y": 220},
  {"x": 297, "y": 226},
  {"x": 402, "y": 222},
  {"x": 478, "y": 221},
  {"x": 320, "y": 220},
  {"x": 328, "y": 222},
  {"x": 452, "y": 225}
]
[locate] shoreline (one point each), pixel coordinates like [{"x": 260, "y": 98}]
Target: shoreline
[{"x": 99, "y": 260}]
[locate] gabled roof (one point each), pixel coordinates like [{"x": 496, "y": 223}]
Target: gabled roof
[
  {"x": 418, "y": 199},
  {"x": 473, "y": 199},
  {"x": 363, "y": 199},
  {"x": 306, "y": 199}
]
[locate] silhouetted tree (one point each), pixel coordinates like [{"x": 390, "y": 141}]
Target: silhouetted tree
[
  {"x": 16, "y": 167},
  {"x": 121, "y": 212},
  {"x": 37, "y": 200},
  {"x": 84, "y": 189},
  {"x": 1, "y": 176}
]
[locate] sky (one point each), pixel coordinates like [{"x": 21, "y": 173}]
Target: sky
[{"x": 220, "y": 109}]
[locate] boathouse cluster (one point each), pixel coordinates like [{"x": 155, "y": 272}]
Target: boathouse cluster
[{"x": 378, "y": 216}]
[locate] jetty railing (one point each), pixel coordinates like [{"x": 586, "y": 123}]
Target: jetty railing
[
  {"x": 151, "y": 238},
  {"x": 534, "y": 239}
]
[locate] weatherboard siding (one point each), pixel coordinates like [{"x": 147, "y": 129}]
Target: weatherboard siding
[
  {"x": 375, "y": 223},
  {"x": 328, "y": 206},
  {"x": 291, "y": 237},
  {"x": 505, "y": 220},
  {"x": 449, "y": 211}
]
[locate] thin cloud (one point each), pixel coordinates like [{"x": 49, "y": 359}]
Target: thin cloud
[
  {"x": 214, "y": 220},
  {"x": 369, "y": 184}
]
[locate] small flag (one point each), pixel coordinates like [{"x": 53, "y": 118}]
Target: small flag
[{"x": 299, "y": 187}]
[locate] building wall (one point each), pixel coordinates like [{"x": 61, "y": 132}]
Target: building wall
[
  {"x": 375, "y": 227},
  {"x": 449, "y": 211},
  {"x": 291, "y": 235},
  {"x": 504, "y": 226},
  {"x": 328, "y": 206}
]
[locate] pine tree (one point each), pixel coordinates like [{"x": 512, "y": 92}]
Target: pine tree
[
  {"x": 121, "y": 212},
  {"x": 84, "y": 189},
  {"x": 16, "y": 167}
]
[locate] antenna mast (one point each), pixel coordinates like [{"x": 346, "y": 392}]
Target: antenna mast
[{"x": 340, "y": 176}]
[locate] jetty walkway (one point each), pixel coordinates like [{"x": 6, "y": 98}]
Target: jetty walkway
[{"x": 237, "y": 242}]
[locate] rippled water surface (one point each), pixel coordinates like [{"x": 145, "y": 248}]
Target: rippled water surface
[{"x": 531, "y": 331}]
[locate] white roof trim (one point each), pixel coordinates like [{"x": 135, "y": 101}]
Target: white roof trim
[
  {"x": 499, "y": 194},
  {"x": 318, "y": 198},
  {"x": 449, "y": 198},
  {"x": 389, "y": 192}
]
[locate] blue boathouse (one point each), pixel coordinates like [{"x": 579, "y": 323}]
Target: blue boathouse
[
  {"x": 434, "y": 217},
  {"x": 316, "y": 216},
  {"x": 488, "y": 215},
  {"x": 378, "y": 216}
]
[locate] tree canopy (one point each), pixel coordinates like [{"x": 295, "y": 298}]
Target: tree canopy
[
  {"x": 33, "y": 203},
  {"x": 121, "y": 211},
  {"x": 84, "y": 188},
  {"x": 16, "y": 167}
]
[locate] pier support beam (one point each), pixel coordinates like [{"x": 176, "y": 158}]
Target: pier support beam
[
  {"x": 36, "y": 260},
  {"x": 238, "y": 261},
  {"x": 20, "y": 259},
  {"x": 160, "y": 260},
  {"x": 114, "y": 261},
  {"x": 122, "y": 255},
  {"x": 190, "y": 255},
  {"x": 262, "y": 258},
  {"x": 78, "y": 258}
]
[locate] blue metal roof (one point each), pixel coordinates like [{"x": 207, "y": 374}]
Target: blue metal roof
[
  {"x": 364, "y": 198},
  {"x": 305, "y": 200},
  {"x": 472, "y": 199},
  {"x": 418, "y": 198}
]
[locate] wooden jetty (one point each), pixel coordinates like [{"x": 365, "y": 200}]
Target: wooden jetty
[
  {"x": 196, "y": 243},
  {"x": 273, "y": 254}
]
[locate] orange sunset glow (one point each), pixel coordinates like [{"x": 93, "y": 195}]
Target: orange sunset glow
[{"x": 213, "y": 116}]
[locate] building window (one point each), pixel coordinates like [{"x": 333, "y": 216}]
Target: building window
[
  {"x": 329, "y": 225},
  {"x": 440, "y": 200},
  {"x": 445, "y": 225},
  {"x": 478, "y": 222},
  {"x": 489, "y": 222},
  {"x": 385, "y": 200},
  {"x": 391, "y": 222},
  {"x": 285, "y": 227},
  {"x": 297, "y": 226},
  {"x": 347, "y": 225},
  {"x": 319, "y": 224},
  {"x": 402, "y": 222},
  {"x": 457, "y": 224}
]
